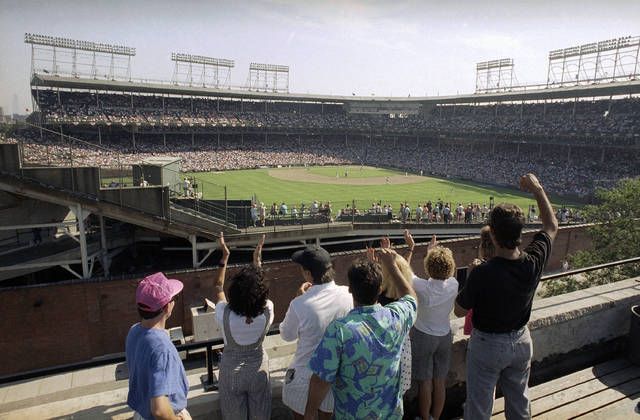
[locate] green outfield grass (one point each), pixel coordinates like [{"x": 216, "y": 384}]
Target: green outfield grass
[{"x": 243, "y": 184}]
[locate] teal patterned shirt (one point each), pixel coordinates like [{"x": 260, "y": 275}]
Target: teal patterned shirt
[{"x": 360, "y": 355}]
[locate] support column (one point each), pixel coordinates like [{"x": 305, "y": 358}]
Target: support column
[
  {"x": 133, "y": 138},
  {"x": 218, "y": 139},
  {"x": 194, "y": 250},
  {"x": 164, "y": 139},
  {"x": 83, "y": 241},
  {"x": 106, "y": 263},
  {"x": 99, "y": 135}
]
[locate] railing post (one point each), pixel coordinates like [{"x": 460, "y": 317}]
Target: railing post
[
  {"x": 226, "y": 207},
  {"x": 209, "y": 364}
]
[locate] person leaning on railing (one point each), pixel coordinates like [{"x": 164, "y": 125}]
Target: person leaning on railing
[{"x": 245, "y": 390}]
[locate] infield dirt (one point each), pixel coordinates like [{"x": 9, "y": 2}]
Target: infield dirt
[{"x": 303, "y": 175}]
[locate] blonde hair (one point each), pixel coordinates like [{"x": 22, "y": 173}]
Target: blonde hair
[
  {"x": 439, "y": 263},
  {"x": 388, "y": 286},
  {"x": 486, "y": 250}
]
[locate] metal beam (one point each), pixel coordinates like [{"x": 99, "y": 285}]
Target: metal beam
[
  {"x": 38, "y": 265},
  {"x": 37, "y": 225}
]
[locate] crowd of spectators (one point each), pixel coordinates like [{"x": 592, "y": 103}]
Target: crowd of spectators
[
  {"x": 577, "y": 145},
  {"x": 592, "y": 122},
  {"x": 569, "y": 170}
]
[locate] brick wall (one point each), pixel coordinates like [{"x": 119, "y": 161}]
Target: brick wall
[{"x": 65, "y": 323}]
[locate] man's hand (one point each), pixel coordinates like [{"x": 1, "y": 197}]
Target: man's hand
[
  {"x": 257, "y": 253},
  {"x": 303, "y": 288},
  {"x": 530, "y": 183}
]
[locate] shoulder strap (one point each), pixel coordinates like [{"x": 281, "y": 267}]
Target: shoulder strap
[{"x": 227, "y": 327}]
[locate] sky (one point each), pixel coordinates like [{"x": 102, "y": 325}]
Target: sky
[{"x": 385, "y": 48}]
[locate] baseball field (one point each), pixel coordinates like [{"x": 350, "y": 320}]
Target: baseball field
[{"x": 347, "y": 184}]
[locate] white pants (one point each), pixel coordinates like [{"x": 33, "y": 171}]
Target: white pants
[{"x": 296, "y": 392}]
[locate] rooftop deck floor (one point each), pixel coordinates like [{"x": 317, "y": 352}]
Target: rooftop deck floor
[{"x": 609, "y": 390}]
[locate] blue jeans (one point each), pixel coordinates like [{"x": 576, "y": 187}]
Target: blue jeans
[{"x": 492, "y": 357}]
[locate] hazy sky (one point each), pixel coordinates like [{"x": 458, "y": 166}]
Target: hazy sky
[{"x": 332, "y": 47}]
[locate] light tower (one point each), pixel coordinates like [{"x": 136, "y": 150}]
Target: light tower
[
  {"x": 605, "y": 61},
  {"x": 494, "y": 75},
  {"x": 268, "y": 77},
  {"x": 207, "y": 71},
  {"x": 70, "y": 57}
]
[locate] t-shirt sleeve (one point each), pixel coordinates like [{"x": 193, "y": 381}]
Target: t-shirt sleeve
[
  {"x": 406, "y": 309},
  {"x": 220, "y": 313},
  {"x": 159, "y": 382},
  {"x": 538, "y": 252},
  {"x": 325, "y": 360},
  {"x": 466, "y": 297}
]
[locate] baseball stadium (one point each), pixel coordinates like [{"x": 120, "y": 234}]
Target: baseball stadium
[{"x": 111, "y": 178}]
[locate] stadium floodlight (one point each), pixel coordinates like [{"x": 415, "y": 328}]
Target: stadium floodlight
[
  {"x": 269, "y": 67},
  {"x": 596, "y": 47},
  {"x": 494, "y": 75},
  {"x": 608, "y": 60},
  {"x": 200, "y": 59},
  {"x": 494, "y": 64},
  {"x": 73, "y": 44}
]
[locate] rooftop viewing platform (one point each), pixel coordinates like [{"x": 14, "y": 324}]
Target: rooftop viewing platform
[{"x": 580, "y": 369}]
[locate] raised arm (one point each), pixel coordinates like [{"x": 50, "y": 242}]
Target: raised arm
[
  {"x": 388, "y": 259},
  {"x": 408, "y": 239},
  {"x": 218, "y": 283},
  {"x": 530, "y": 183},
  {"x": 257, "y": 253}
]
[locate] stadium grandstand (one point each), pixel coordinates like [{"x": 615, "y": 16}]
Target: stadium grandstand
[{"x": 578, "y": 131}]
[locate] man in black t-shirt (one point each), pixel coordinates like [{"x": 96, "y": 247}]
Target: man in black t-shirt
[{"x": 500, "y": 292}]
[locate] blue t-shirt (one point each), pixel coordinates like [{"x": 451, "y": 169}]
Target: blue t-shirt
[{"x": 155, "y": 369}]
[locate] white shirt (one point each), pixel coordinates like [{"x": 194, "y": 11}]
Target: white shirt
[
  {"x": 435, "y": 302},
  {"x": 242, "y": 332},
  {"x": 310, "y": 314}
]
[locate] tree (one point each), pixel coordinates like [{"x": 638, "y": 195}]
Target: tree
[{"x": 615, "y": 236}]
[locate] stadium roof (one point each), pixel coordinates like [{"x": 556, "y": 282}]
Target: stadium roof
[{"x": 526, "y": 94}]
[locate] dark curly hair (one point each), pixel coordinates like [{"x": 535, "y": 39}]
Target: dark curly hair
[
  {"x": 248, "y": 292},
  {"x": 365, "y": 279}
]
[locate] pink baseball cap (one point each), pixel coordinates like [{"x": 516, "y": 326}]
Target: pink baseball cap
[{"x": 155, "y": 291}]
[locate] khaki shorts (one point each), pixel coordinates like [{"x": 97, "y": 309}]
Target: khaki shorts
[
  {"x": 430, "y": 354},
  {"x": 296, "y": 392}
]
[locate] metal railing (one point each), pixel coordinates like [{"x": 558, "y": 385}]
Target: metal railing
[{"x": 210, "y": 344}]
